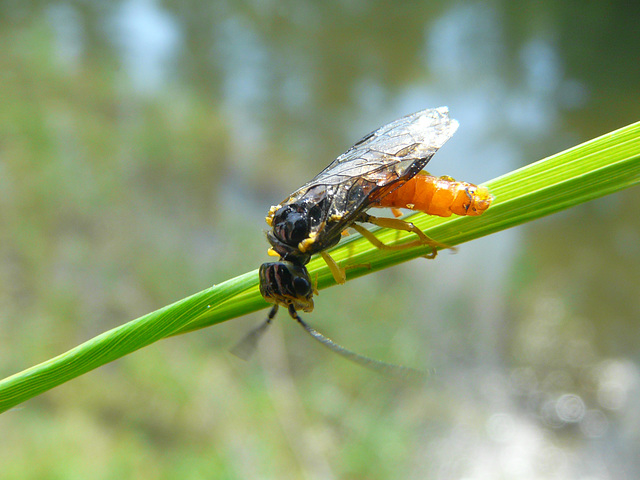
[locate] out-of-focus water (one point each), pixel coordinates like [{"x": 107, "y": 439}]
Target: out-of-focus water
[{"x": 141, "y": 145}]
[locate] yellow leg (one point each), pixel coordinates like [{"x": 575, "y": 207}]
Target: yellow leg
[
  {"x": 397, "y": 224},
  {"x": 339, "y": 274}
]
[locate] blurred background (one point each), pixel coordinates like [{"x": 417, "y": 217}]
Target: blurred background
[{"x": 141, "y": 145}]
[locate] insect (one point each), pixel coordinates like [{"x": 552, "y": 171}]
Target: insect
[{"x": 383, "y": 169}]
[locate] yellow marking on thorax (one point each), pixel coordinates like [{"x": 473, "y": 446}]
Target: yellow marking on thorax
[
  {"x": 304, "y": 245},
  {"x": 272, "y": 212}
]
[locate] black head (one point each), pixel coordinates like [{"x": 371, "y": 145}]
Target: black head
[
  {"x": 298, "y": 230},
  {"x": 291, "y": 224},
  {"x": 286, "y": 283}
]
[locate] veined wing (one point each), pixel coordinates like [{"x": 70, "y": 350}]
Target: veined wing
[
  {"x": 388, "y": 153},
  {"x": 380, "y": 161}
]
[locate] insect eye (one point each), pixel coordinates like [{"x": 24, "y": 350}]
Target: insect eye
[
  {"x": 301, "y": 286},
  {"x": 291, "y": 227},
  {"x": 296, "y": 227}
]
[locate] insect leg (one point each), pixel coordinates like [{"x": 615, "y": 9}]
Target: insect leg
[
  {"x": 339, "y": 273},
  {"x": 245, "y": 347},
  {"x": 376, "y": 365},
  {"x": 397, "y": 224},
  {"x": 374, "y": 240}
]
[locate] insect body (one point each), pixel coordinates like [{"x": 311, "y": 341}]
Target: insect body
[
  {"x": 313, "y": 217},
  {"x": 383, "y": 169},
  {"x": 439, "y": 196}
]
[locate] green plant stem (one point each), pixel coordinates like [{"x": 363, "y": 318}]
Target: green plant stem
[{"x": 601, "y": 166}]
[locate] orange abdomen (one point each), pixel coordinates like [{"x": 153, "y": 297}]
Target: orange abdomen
[{"x": 440, "y": 196}]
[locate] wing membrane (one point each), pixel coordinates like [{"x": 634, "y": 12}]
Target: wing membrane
[
  {"x": 380, "y": 161},
  {"x": 388, "y": 153}
]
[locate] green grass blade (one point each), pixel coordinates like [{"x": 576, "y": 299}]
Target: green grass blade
[
  {"x": 601, "y": 166},
  {"x": 115, "y": 343}
]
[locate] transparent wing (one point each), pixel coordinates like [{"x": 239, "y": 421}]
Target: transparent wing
[
  {"x": 394, "y": 153},
  {"x": 388, "y": 153}
]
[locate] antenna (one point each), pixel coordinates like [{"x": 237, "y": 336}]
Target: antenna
[
  {"x": 245, "y": 347},
  {"x": 370, "y": 363}
]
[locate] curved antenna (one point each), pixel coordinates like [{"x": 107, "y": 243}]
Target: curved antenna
[
  {"x": 370, "y": 363},
  {"x": 245, "y": 347}
]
